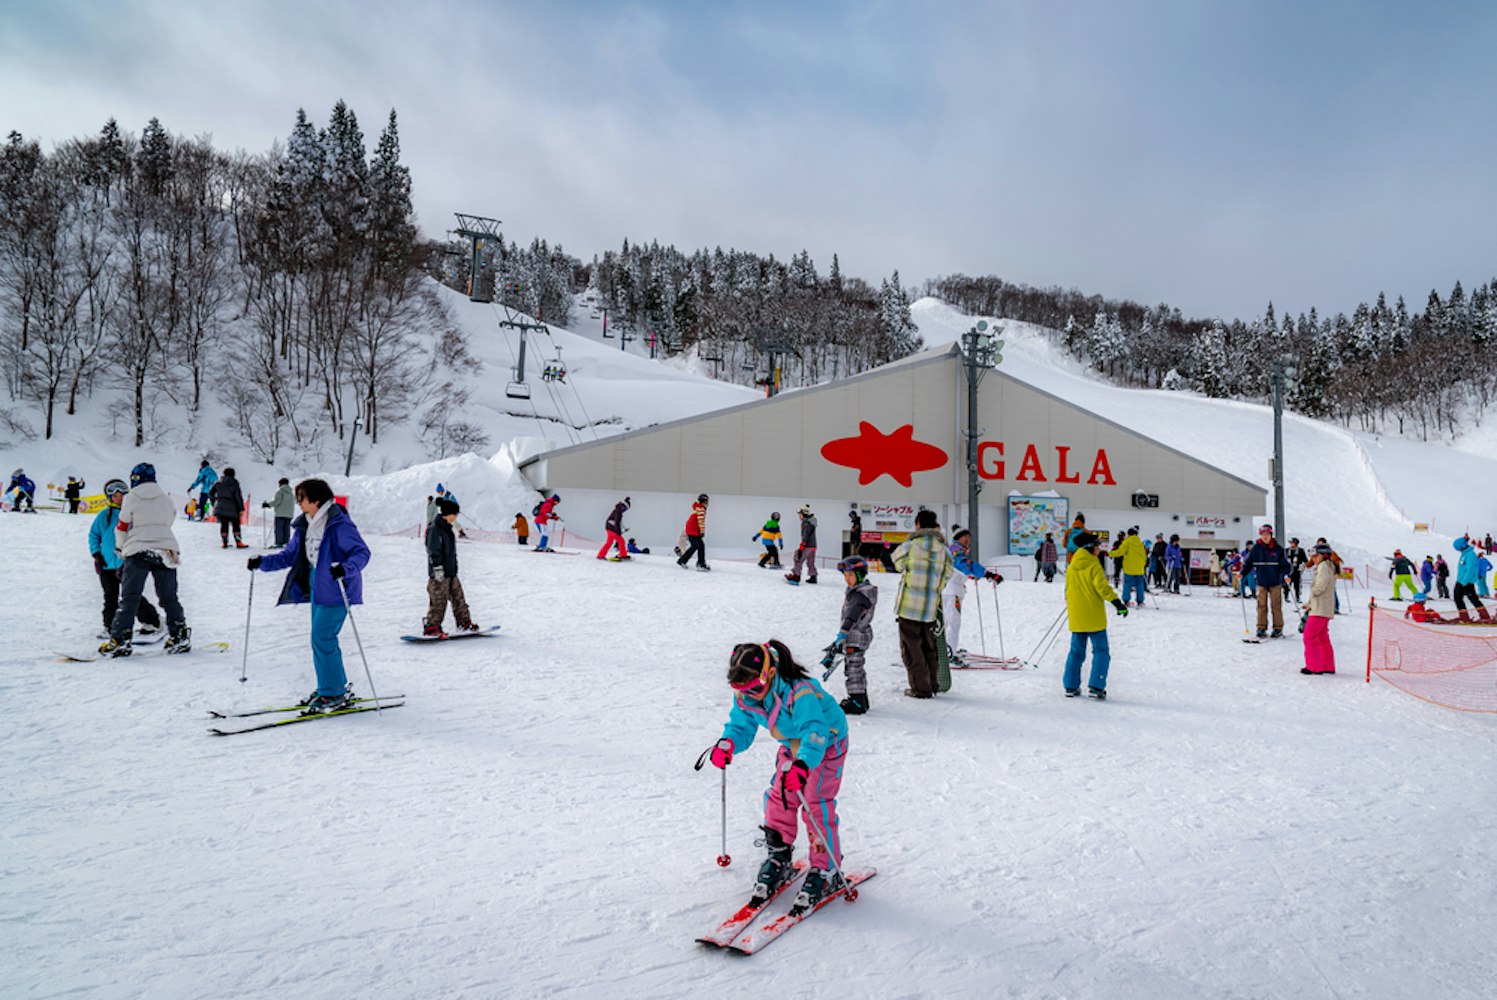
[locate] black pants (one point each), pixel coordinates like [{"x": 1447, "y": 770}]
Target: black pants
[
  {"x": 282, "y": 531},
  {"x": 693, "y": 544},
  {"x": 224, "y": 524},
  {"x": 1467, "y": 591},
  {"x": 133, "y": 584},
  {"x": 1440, "y": 581},
  {"x": 1293, "y": 581},
  {"x": 771, "y": 557},
  {"x": 73, "y": 505},
  {"x": 145, "y": 612}
]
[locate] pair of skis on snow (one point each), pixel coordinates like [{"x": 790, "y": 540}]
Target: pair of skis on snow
[
  {"x": 733, "y": 934},
  {"x": 287, "y": 718}
]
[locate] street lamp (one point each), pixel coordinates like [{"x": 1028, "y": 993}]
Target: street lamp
[
  {"x": 980, "y": 351},
  {"x": 1283, "y": 375}
]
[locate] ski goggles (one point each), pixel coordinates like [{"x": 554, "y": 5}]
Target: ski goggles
[{"x": 758, "y": 685}]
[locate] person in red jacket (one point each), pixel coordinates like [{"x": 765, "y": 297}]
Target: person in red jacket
[
  {"x": 545, "y": 513},
  {"x": 696, "y": 536}
]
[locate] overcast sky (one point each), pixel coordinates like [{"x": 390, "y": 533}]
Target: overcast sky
[{"x": 1209, "y": 155}]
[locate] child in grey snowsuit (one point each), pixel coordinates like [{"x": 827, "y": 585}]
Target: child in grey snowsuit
[{"x": 855, "y": 634}]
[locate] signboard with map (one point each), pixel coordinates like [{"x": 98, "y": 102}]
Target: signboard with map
[{"x": 1029, "y": 518}]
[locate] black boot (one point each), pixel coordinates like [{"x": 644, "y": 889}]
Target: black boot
[
  {"x": 776, "y": 868},
  {"x": 855, "y": 703},
  {"x": 817, "y": 887}
]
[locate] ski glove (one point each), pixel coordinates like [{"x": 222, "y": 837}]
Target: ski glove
[
  {"x": 995, "y": 576},
  {"x": 337, "y": 571},
  {"x": 253, "y": 563},
  {"x": 99, "y": 563},
  {"x": 722, "y": 754},
  {"x": 793, "y": 779},
  {"x": 1122, "y": 609}
]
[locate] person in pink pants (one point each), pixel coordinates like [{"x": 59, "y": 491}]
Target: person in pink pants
[
  {"x": 1320, "y": 658},
  {"x": 613, "y": 528}
]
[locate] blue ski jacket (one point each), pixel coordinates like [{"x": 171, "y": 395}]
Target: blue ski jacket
[
  {"x": 101, "y": 536},
  {"x": 802, "y": 716},
  {"x": 1469, "y": 568}
]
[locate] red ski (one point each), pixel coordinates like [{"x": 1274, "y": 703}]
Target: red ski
[
  {"x": 756, "y": 939},
  {"x": 729, "y": 929}
]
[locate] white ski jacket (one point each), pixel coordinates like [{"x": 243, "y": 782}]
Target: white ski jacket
[{"x": 145, "y": 525}]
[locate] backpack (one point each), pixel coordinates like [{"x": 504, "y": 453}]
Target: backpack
[{"x": 535, "y": 511}]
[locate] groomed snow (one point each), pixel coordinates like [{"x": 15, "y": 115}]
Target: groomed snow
[{"x": 529, "y": 824}]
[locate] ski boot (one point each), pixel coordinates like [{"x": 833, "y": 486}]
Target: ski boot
[
  {"x": 776, "y": 868},
  {"x": 180, "y": 640},
  {"x": 817, "y": 887},
  {"x": 856, "y": 703},
  {"x": 470, "y": 627},
  {"x": 113, "y": 647},
  {"x": 1098, "y": 693},
  {"x": 1277, "y": 633},
  {"x": 431, "y": 631},
  {"x": 319, "y": 704},
  {"x": 1072, "y": 692}
]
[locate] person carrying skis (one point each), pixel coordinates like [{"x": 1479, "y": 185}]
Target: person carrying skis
[
  {"x": 696, "y": 535},
  {"x": 143, "y": 536},
  {"x": 1087, "y": 593},
  {"x": 805, "y": 552},
  {"x": 73, "y": 493},
  {"x": 772, "y": 690},
  {"x": 772, "y": 540},
  {"x": 442, "y": 584},
  {"x": 282, "y": 508},
  {"x": 107, "y": 562},
  {"x": 964, "y": 565},
  {"x": 613, "y": 528},
  {"x": 855, "y": 634},
  {"x": 1466, "y": 573},
  {"x": 522, "y": 529},
  {"x": 1320, "y": 657},
  {"x": 1401, "y": 572},
  {"x": 204, "y": 485},
  {"x": 228, "y": 506},
  {"x": 1442, "y": 576},
  {"x": 1134, "y": 556},
  {"x": 544, "y": 513},
  {"x": 22, "y": 490},
  {"x": 326, "y": 557}
]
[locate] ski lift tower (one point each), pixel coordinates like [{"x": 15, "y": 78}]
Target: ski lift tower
[{"x": 476, "y": 229}]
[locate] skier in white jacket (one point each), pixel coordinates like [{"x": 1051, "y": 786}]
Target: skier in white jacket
[{"x": 144, "y": 539}]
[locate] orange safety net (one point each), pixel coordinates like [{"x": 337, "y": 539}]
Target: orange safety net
[{"x": 1450, "y": 665}]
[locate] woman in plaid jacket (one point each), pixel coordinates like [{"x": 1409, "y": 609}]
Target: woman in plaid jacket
[{"x": 924, "y": 565}]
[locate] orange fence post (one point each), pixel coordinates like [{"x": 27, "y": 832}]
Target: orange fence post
[{"x": 1371, "y": 615}]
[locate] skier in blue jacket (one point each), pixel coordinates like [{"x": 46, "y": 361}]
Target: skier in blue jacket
[
  {"x": 326, "y": 556},
  {"x": 1467, "y": 572},
  {"x": 204, "y": 483},
  {"x": 107, "y": 561},
  {"x": 23, "y": 489},
  {"x": 777, "y": 693}
]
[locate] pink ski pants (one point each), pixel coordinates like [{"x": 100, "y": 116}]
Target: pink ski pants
[
  {"x": 821, "y": 801},
  {"x": 1320, "y": 658}
]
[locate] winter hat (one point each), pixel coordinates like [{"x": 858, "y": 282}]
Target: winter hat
[
  {"x": 701, "y": 498},
  {"x": 1421, "y": 596},
  {"x": 805, "y": 510},
  {"x": 1397, "y": 552},
  {"x": 145, "y": 472},
  {"x": 1265, "y": 529},
  {"x": 1086, "y": 540},
  {"x": 1322, "y": 549},
  {"x": 960, "y": 534},
  {"x": 1460, "y": 544},
  {"x": 626, "y": 503},
  {"x": 445, "y": 506}
]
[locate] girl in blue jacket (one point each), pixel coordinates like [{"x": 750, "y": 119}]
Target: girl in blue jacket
[
  {"x": 773, "y": 691},
  {"x": 107, "y": 562},
  {"x": 327, "y": 557}
]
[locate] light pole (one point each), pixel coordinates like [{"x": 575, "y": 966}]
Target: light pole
[
  {"x": 352, "y": 434},
  {"x": 1283, "y": 367},
  {"x": 979, "y": 353}
]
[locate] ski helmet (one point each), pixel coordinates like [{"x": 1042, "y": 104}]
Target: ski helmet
[
  {"x": 774, "y": 515},
  {"x": 854, "y": 564},
  {"x": 701, "y": 498},
  {"x": 805, "y": 511},
  {"x": 145, "y": 472},
  {"x": 116, "y": 486}
]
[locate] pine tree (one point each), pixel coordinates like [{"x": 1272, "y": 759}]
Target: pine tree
[{"x": 392, "y": 229}]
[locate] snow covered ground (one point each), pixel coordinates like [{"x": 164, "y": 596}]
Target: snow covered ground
[{"x": 529, "y": 824}]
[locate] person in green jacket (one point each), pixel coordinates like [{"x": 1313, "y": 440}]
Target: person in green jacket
[
  {"x": 283, "y": 508},
  {"x": 924, "y": 565},
  {"x": 1087, "y": 594}
]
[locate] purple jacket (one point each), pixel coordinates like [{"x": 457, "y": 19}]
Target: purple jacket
[{"x": 341, "y": 543}]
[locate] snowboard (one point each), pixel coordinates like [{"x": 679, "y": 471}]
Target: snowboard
[
  {"x": 943, "y": 655},
  {"x": 454, "y": 635}
]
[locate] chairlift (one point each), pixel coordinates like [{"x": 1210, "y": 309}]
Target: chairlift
[{"x": 517, "y": 390}]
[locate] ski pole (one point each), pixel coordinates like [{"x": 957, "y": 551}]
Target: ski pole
[
  {"x": 723, "y": 859},
  {"x": 1242, "y": 602},
  {"x": 998, "y": 615},
  {"x": 850, "y": 895},
  {"x": 1047, "y": 637},
  {"x": 249, "y": 606},
  {"x": 374, "y": 695}
]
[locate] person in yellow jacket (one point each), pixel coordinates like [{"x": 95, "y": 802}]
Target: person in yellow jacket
[
  {"x": 1134, "y": 556},
  {"x": 1087, "y": 593}
]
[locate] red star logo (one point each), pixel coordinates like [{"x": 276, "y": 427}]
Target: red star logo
[{"x": 875, "y": 454}]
